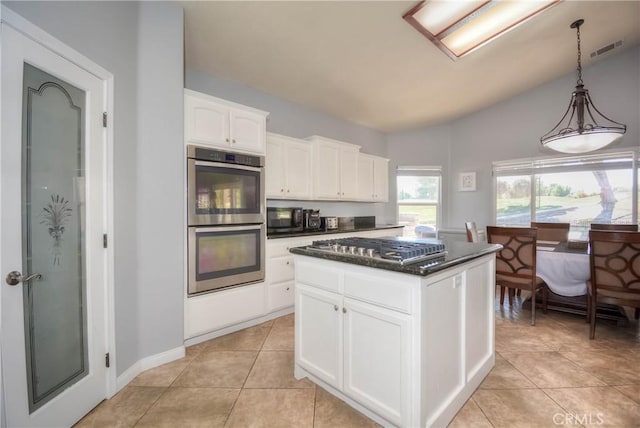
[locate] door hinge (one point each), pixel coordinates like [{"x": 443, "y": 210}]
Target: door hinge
[
  {"x": 104, "y": 119},
  {"x": 107, "y": 363},
  {"x": 104, "y": 240}
]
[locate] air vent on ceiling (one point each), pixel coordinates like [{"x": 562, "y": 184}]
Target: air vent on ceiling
[{"x": 606, "y": 49}]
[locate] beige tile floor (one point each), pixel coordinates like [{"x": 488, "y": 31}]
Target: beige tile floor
[{"x": 547, "y": 375}]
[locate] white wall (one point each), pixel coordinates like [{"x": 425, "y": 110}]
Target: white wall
[
  {"x": 141, "y": 44},
  {"x": 160, "y": 178},
  {"x": 425, "y": 146}
]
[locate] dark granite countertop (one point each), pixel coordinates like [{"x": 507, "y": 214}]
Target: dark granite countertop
[
  {"x": 458, "y": 252},
  {"x": 330, "y": 232}
]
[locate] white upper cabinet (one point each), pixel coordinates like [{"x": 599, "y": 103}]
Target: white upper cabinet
[
  {"x": 335, "y": 169},
  {"x": 216, "y": 122},
  {"x": 288, "y": 168},
  {"x": 381, "y": 179},
  {"x": 373, "y": 178}
]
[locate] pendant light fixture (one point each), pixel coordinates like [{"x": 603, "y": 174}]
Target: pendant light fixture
[{"x": 586, "y": 129}]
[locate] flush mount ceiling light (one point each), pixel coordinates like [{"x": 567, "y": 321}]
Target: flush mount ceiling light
[
  {"x": 584, "y": 131},
  {"x": 460, "y": 27}
]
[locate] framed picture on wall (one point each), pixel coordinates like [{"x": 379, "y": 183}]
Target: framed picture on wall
[{"x": 467, "y": 182}]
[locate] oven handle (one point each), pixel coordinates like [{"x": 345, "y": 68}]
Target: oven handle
[
  {"x": 229, "y": 228},
  {"x": 228, "y": 165}
]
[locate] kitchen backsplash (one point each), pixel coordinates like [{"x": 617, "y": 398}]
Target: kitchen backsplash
[{"x": 339, "y": 209}]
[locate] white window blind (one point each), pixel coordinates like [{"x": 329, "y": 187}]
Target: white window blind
[
  {"x": 606, "y": 161},
  {"x": 422, "y": 171}
]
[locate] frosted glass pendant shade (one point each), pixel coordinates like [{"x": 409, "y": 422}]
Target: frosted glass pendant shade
[{"x": 582, "y": 143}]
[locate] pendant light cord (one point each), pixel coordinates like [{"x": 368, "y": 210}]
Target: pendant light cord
[{"x": 579, "y": 57}]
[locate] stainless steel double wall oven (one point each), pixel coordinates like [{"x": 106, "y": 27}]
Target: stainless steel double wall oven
[{"x": 226, "y": 219}]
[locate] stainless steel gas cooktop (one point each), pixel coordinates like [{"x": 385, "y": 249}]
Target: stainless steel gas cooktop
[{"x": 391, "y": 250}]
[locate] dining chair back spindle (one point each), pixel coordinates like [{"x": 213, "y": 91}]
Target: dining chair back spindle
[
  {"x": 615, "y": 271},
  {"x": 620, "y": 227},
  {"x": 558, "y": 232},
  {"x": 472, "y": 231},
  {"x": 516, "y": 264}
]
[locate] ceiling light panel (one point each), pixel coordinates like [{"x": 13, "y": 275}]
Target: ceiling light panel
[{"x": 459, "y": 27}]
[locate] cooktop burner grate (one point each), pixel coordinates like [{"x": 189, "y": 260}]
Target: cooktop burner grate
[{"x": 398, "y": 251}]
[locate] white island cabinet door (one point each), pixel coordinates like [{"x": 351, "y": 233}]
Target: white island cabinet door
[
  {"x": 319, "y": 333},
  {"x": 377, "y": 359}
]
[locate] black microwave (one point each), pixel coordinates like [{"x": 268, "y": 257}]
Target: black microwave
[{"x": 284, "y": 220}]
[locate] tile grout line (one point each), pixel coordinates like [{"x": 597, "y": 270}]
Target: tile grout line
[
  {"x": 248, "y": 373},
  {"x": 166, "y": 389},
  {"x": 481, "y": 410}
]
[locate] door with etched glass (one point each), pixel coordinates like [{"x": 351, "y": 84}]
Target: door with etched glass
[{"x": 53, "y": 293}]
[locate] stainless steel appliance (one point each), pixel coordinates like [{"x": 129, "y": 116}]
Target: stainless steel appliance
[
  {"x": 226, "y": 205},
  {"x": 329, "y": 223},
  {"x": 224, "y": 256},
  {"x": 387, "y": 250},
  {"x": 284, "y": 220},
  {"x": 311, "y": 219},
  {"x": 224, "y": 187}
]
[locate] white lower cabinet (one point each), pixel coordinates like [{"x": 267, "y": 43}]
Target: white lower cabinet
[
  {"x": 404, "y": 349},
  {"x": 376, "y": 358},
  {"x": 318, "y": 338}
]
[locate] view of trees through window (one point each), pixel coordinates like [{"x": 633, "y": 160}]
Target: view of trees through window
[
  {"x": 418, "y": 199},
  {"x": 577, "y": 197}
]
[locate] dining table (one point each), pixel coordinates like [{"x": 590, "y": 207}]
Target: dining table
[{"x": 564, "y": 267}]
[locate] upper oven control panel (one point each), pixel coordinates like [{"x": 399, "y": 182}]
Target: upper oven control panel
[{"x": 213, "y": 155}]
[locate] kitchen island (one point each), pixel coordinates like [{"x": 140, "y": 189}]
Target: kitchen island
[{"x": 406, "y": 344}]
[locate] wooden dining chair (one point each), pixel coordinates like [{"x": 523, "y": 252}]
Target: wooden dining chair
[
  {"x": 472, "y": 231},
  {"x": 621, "y": 227},
  {"x": 615, "y": 272},
  {"x": 516, "y": 263},
  {"x": 552, "y": 231}
]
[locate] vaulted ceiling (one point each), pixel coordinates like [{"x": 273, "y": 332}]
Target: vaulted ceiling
[{"x": 362, "y": 62}]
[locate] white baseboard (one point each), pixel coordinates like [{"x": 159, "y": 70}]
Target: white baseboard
[
  {"x": 148, "y": 363},
  {"x": 179, "y": 352},
  {"x": 236, "y": 327}
]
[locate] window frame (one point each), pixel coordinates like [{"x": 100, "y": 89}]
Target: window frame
[
  {"x": 531, "y": 167},
  {"x": 421, "y": 171}
]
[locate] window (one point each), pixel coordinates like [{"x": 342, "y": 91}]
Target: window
[
  {"x": 579, "y": 190},
  {"x": 418, "y": 198}
]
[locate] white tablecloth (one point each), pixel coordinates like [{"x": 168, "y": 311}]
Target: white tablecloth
[{"x": 566, "y": 274}]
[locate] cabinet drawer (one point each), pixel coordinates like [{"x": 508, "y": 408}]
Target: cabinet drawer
[
  {"x": 280, "y": 269},
  {"x": 381, "y": 291},
  {"x": 280, "y": 295},
  {"x": 280, "y": 247},
  {"x": 316, "y": 273}
]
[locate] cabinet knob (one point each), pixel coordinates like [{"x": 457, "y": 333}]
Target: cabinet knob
[
  {"x": 338, "y": 193},
  {"x": 288, "y": 262},
  {"x": 287, "y": 288},
  {"x": 335, "y": 307},
  {"x": 287, "y": 190},
  {"x": 233, "y": 141},
  {"x": 227, "y": 140},
  {"x": 344, "y": 310},
  {"x": 281, "y": 190}
]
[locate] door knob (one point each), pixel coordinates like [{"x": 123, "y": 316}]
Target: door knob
[{"x": 15, "y": 277}]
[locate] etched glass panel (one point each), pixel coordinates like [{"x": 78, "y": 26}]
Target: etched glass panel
[{"x": 53, "y": 235}]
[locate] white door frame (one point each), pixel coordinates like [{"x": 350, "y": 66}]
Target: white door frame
[{"x": 17, "y": 22}]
